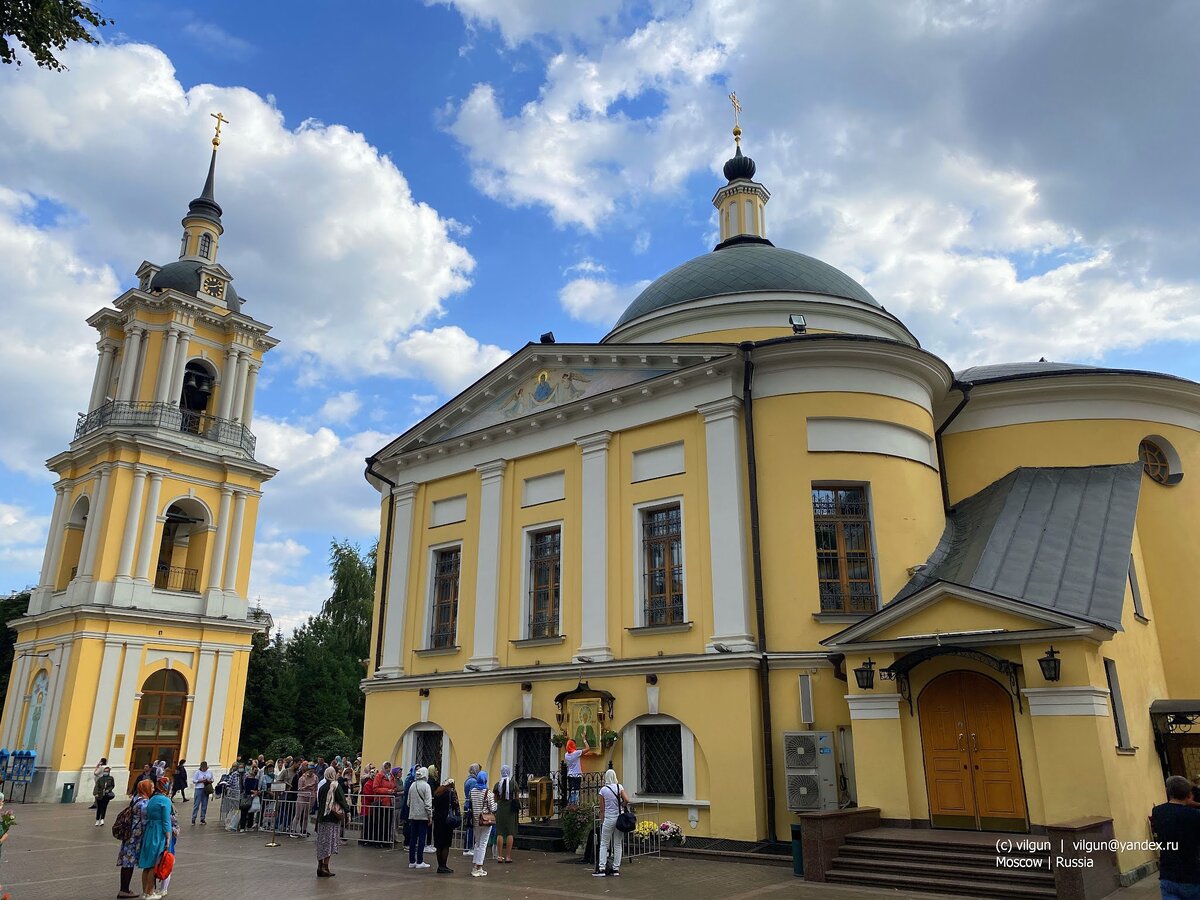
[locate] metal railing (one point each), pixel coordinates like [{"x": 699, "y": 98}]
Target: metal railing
[
  {"x": 144, "y": 414},
  {"x": 855, "y": 597},
  {"x": 663, "y": 612},
  {"x": 642, "y": 841},
  {"x": 178, "y": 579}
]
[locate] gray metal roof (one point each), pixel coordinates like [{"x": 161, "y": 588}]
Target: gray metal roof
[
  {"x": 1013, "y": 371},
  {"x": 1059, "y": 538},
  {"x": 743, "y": 268},
  {"x": 184, "y": 275}
]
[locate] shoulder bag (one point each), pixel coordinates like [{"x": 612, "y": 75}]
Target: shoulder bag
[
  {"x": 486, "y": 817},
  {"x": 454, "y": 816},
  {"x": 626, "y": 818}
]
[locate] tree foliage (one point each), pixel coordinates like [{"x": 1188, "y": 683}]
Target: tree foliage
[
  {"x": 11, "y": 607},
  {"x": 44, "y": 27},
  {"x": 306, "y": 686}
]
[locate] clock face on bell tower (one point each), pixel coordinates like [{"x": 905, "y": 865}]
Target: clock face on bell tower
[{"x": 213, "y": 286}]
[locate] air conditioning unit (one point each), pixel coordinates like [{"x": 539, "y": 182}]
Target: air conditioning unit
[{"x": 810, "y": 769}]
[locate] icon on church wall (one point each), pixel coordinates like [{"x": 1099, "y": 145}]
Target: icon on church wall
[
  {"x": 545, "y": 389},
  {"x": 583, "y": 718},
  {"x": 37, "y": 706}
]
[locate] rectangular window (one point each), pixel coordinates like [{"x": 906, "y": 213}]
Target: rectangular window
[
  {"x": 660, "y": 760},
  {"x": 662, "y": 565},
  {"x": 1118, "y": 705},
  {"x": 845, "y": 568},
  {"x": 1135, "y": 591},
  {"x": 445, "y": 598},
  {"x": 545, "y": 567}
]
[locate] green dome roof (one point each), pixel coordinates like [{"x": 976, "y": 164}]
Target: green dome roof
[{"x": 744, "y": 268}]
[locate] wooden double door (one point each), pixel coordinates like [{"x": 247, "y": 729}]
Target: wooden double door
[{"x": 972, "y": 762}]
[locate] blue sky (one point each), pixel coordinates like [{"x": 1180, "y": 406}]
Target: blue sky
[{"x": 413, "y": 190}]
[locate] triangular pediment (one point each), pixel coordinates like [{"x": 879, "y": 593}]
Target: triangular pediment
[
  {"x": 945, "y": 612},
  {"x": 543, "y": 384}
]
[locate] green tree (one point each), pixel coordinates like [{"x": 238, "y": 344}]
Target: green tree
[
  {"x": 45, "y": 26},
  {"x": 350, "y": 603},
  {"x": 11, "y": 607}
]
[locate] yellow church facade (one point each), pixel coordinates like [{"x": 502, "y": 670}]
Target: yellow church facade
[
  {"x": 137, "y": 638},
  {"x": 793, "y": 567}
]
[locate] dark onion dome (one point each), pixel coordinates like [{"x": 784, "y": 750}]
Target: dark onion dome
[
  {"x": 184, "y": 276},
  {"x": 739, "y": 166},
  {"x": 1043, "y": 368},
  {"x": 741, "y": 269}
]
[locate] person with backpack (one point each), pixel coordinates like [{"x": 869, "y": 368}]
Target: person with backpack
[
  {"x": 508, "y": 810},
  {"x": 614, "y": 798},
  {"x": 128, "y": 829},
  {"x": 104, "y": 791}
]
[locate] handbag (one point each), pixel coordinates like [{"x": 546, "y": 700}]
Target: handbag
[
  {"x": 486, "y": 817},
  {"x": 208, "y": 789},
  {"x": 108, "y": 796},
  {"x": 626, "y": 818},
  {"x": 454, "y": 816},
  {"x": 166, "y": 863}
]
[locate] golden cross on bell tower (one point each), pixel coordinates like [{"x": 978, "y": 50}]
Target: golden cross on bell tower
[
  {"x": 221, "y": 120},
  {"x": 737, "y": 113}
]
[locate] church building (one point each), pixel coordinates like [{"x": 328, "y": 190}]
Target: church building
[
  {"x": 775, "y": 560},
  {"x": 137, "y": 638}
]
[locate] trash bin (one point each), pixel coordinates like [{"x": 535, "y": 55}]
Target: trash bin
[
  {"x": 797, "y": 851},
  {"x": 68, "y": 794}
]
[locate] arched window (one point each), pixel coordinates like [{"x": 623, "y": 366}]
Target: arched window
[
  {"x": 183, "y": 245},
  {"x": 159, "y": 730},
  {"x": 198, "y": 379},
  {"x": 182, "y": 548},
  {"x": 206, "y": 246},
  {"x": 1159, "y": 460},
  {"x": 72, "y": 538}
]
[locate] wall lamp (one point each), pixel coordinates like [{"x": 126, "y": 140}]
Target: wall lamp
[
  {"x": 423, "y": 692},
  {"x": 799, "y": 326},
  {"x": 865, "y": 675},
  {"x": 1051, "y": 665},
  {"x": 651, "y": 678},
  {"x": 526, "y": 686}
]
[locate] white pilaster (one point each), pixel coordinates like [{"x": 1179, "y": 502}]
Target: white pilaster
[
  {"x": 132, "y": 516},
  {"x": 399, "y": 565},
  {"x": 201, "y": 711},
  {"x": 487, "y": 574},
  {"x": 726, "y": 526},
  {"x": 106, "y": 687},
  {"x": 228, "y": 384},
  {"x": 123, "y": 724},
  {"x": 594, "y": 568},
  {"x": 235, "y": 542},
  {"x": 129, "y": 361},
  {"x": 181, "y": 358},
  {"x": 95, "y": 522},
  {"x": 221, "y": 538},
  {"x": 19, "y": 681},
  {"x": 248, "y": 401},
  {"x": 146, "y": 544},
  {"x": 166, "y": 367},
  {"x": 216, "y": 712},
  {"x": 103, "y": 377},
  {"x": 239, "y": 396},
  {"x": 54, "y": 538},
  {"x": 54, "y": 701}
]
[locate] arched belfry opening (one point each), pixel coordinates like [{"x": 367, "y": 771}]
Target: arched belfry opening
[
  {"x": 194, "y": 399},
  {"x": 72, "y": 538},
  {"x": 182, "y": 548}
]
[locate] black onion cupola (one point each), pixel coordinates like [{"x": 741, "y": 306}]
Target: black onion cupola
[{"x": 741, "y": 202}]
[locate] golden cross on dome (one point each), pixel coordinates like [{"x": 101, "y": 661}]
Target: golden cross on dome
[
  {"x": 737, "y": 113},
  {"x": 221, "y": 120}
]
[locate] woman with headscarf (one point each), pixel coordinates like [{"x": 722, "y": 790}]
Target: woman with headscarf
[
  {"x": 306, "y": 792},
  {"x": 445, "y": 800},
  {"x": 332, "y": 810},
  {"x": 575, "y": 769},
  {"x": 484, "y": 806},
  {"x": 468, "y": 815},
  {"x": 612, "y": 795},
  {"x": 131, "y": 847},
  {"x": 508, "y": 810},
  {"x": 402, "y": 801},
  {"x": 383, "y": 786},
  {"x": 420, "y": 818},
  {"x": 156, "y": 832}
]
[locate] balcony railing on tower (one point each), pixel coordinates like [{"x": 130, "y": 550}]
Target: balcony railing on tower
[
  {"x": 176, "y": 578},
  {"x": 144, "y": 414}
]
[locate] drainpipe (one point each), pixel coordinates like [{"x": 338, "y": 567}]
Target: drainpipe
[
  {"x": 937, "y": 441},
  {"x": 387, "y": 557},
  {"x": 764, "y": 669}
]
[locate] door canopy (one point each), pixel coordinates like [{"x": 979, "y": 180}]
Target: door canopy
[{"x": 898, "y": 671}]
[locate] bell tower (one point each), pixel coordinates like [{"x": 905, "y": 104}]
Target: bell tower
[{"x": 138, "y": 633}]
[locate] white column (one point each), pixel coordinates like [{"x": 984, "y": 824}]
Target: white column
[
  {"x": 103, "y": 375},
  {"x": 216, "y": 710},
  {"x": 248, "y": 401},
  {"x": 594, "y": 567},
  {"x": 18, "y": 680},
  {"x": 228, "y": 384},
  {"x": 131, "y": 665},
  {"x": 726, "y": 526},
  {"x": 132, "y": 516},
  {"x": 54, "y": 538},
  {"x": 222, "y": 536},
  {"x": 239, "y": 397},
  {"x": 106, "y": 687},
  {"x": 399, "y": 565},
  {"x": 235, "y": 542},
  {"x": 181, "y": 358},
  {"x": 95, "y": 522},
  {"x": 166, "y": 367},
  {"x": 129, "y": 361},
  {"x": 54, "y": 703},
  {"x": 146, "y": 544},
  {"x": 487, "y": 573},
  {"x": 201, "y": 715}
]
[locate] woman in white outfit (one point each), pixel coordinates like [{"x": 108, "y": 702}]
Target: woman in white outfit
[
  {"x": 611, "y": 796},
  {"x": 482, "y": 802}
]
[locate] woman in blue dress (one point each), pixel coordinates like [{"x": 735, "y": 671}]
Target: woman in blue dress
[{"x": 155, "y": 835}]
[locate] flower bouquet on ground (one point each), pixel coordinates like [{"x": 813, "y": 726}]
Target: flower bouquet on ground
[
  {"x": 647, "y": 830},
  {"x": 669, "y": 831}
]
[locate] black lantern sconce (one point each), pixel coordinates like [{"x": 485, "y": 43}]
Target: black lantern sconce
[
  {"x": 651, "y": 679},
  {"x": 865, "y": 675},
  {"x": 1051, "y": 665},
  {"x": 423, "y": 692},
  {"x": 526, "y": 686}
]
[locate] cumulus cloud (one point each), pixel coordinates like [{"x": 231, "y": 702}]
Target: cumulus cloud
[
  {"x": 596, "y": 300},
  {"x": 339, "y": 408},
  {"x": 518, "y": 20},
  {"x": 273, "y": 583},
  {"x": 22, "y": 541}
]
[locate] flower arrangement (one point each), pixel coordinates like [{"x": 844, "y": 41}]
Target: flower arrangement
[
  {"x": 669, "y": 831},
  {"x": 577, "y": 821},
  {"x": 608, "y": 738},
  {"x": 8, "y": 820},
  {"x": 559, "y": 739},
  {"x": 646, "y": 830}
]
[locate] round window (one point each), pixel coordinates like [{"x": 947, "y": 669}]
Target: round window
[{"x": 1154, "y": 461}]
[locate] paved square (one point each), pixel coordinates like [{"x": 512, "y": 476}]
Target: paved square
[{"x": 55, "y": 852}]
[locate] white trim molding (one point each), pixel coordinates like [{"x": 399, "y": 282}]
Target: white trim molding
[
  {"x": 847, "y": 435},
  {"x": 400, "y": 565},
  {"x": 630, "y": 752},
  {"x": 1067, "y": 701},
  {"x": 593, "y": 639},
  {"x": 487, "y": 570},
  {"x": 874, "y": 706}
]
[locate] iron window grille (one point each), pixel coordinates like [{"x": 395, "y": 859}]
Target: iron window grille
[
  {"x": 845, "y": 566},
  {"x": 1154, "y": 461},
  {"x": 532, "y": 756},
  {"x": 660, "y": 760},
  {"x": 427, "y": 748},
  {"x": 445, "y": 598},
  {"x": 545, "y": 590},
  {"x": 662, "y": 555}
]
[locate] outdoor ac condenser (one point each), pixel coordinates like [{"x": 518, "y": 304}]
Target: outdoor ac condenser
[{"x": 810, "y": 767}]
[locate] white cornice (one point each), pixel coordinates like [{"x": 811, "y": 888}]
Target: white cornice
[
  {"x": 1067, "y": 701},
  {"x": 131, "y": 614},
  {"x": 874, "y": 706}
]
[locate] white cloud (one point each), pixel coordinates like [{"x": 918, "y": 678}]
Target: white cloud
[
  {"x": 339, "y": 408},
  {"x": 447, "y": 356},
  {"x": 22, "y": 541},
  {"x": 596, "y": 300},
  {"x": 519, "y": 20},
  {"x": 641, "y": 242},
  {"x": 273, "y": 583}
]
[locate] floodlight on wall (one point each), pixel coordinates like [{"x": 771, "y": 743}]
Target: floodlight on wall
[
  {"x": 471, "y": 668},
  {"x": 799, "y": 326},
  {"x": 865, "y": 675},
  {"x": 722, "y": 648},
  {"x": 1051, "y": 665}
]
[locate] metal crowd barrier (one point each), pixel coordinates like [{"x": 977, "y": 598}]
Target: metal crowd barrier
[{"x": 633, "y": 845}]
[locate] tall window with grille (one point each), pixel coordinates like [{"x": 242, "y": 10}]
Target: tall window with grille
[
  {"x": 660, "y": 760},
  {"x": 444, "y": 630},
  {"x": 662, "y": 565},
  {"x": 845, "y": 566},
  {"x": 545, "y": 567}
]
